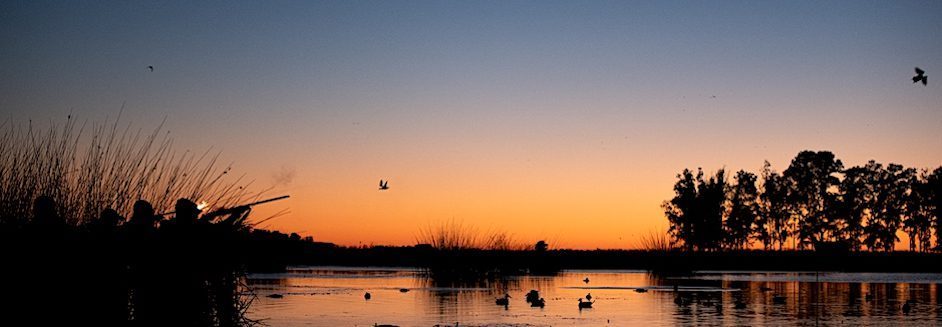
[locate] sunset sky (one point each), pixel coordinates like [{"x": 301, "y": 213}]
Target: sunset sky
[{"x": 564, "y": 121}]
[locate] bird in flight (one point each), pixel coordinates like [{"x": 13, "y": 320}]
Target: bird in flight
[
  {"x": 383, "y": 185},
  {"x": 920, "y": 76},
  {"x": 151, "y": 68}
]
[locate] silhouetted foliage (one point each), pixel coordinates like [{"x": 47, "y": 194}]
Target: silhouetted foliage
[
  {"x": 696, "y": 211},
  {"x": 919, "y": 215},
  {"x": 815, "y": 204},
  {"x": 934, "y": 197},
  {"x": 810, "y": 176},
  {"x": 743, "y": 210},
  {"x": 890, "y": 189},
  {"x": 773, "y": 222}
]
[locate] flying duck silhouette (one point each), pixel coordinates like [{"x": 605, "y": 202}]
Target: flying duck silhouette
[
  {"x": 920, "y": 76},
  {"x": 151, "y": 68},
  {"x": 383, "y": 185}
]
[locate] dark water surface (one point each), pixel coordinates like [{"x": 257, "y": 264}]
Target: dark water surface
[{"x": 333, "y": 296}]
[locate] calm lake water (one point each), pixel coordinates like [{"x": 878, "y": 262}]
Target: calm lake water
[{"x": 334, "y": 296}]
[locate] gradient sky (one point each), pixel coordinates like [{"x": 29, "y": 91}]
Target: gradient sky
[{"x": 565, "y": 121}]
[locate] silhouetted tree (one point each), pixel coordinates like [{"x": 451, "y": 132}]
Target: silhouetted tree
[
  {"x": 743, "y": 210},
  {"x": 890, "y": 189},
  {"x": 772, "y": 227},
  {"x": 680, "y": 210},
  {"x": 918, "y": 221},
  {"x": 934, "y": 198},
  {"x": 852, "y": 206},
  {"x": 810, "y": 176},
  {"x": 696, "y": 211},
  {"x": 711, "y": 195}
]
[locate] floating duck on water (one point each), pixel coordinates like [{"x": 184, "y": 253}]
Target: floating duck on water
[
  {"x": 538, "y": 303},
  {"x": 505, "y": 301},
  {"x": 740, "y": 304},
  {"x": 275, "y": 296},
  {"x": 533, "y": 296},
  {"x": 641, "y": 290},
  {"x": 585, "y": 304},
  {"x": 908, "y": 306},
  {"x": 403, "y": 290},
  {"x": 367, "y": 296}
]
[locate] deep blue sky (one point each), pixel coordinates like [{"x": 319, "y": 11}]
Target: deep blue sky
[{"x": 601, "y": 101}]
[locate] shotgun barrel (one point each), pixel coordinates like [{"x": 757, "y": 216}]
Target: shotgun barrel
[{"x": 226, "y": 210}]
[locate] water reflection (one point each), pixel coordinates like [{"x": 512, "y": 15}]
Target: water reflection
[{"x": 334, "y": 296}]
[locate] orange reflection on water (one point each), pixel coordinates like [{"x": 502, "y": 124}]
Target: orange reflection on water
[{"x": 335, "y": 296}]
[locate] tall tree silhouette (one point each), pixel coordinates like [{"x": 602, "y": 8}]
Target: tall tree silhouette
[
  {"x": 772, "y": 227},
  {"x": 852, "y": 206},
  {"x": 934, "y": 198},
  {"x": 681, "y": 210},
  {"x": 890, "y": 190},
  {"x": 743, "y": 210},
  {"x": 810, "y": 175},
  {"x": 695, "y": 213},
  {"x": 919, "y": 216}
]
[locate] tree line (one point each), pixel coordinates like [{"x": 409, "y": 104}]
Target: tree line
[{"x": 815, "y": 203}]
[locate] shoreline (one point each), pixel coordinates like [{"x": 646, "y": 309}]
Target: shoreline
[{"x": 501, "y": 262}]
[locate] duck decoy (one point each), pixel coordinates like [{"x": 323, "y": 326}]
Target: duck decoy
[
  {"x": 533, "y": 296},
  {"x": 367, "y": 295},
  {"x": 505, "y": 301},
  {"x": 740, "y": 304},
  {"x": 908, "y": 306}
]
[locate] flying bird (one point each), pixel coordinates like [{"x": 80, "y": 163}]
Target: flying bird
[
  {"x": 151, "y": 68},
  {"x": 920, "y": 76},
  {"x": 383, "y": 185}
]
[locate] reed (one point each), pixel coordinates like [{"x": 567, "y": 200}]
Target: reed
[
  {"x": 89, "y": 167},
  {"x": 455, "y": 235},
  {"x": 655, "y": 241}
]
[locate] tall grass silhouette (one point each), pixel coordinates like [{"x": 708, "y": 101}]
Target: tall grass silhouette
[
  {"x": 89, "y": 167},
  {"x": 86, "y": 168}
]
